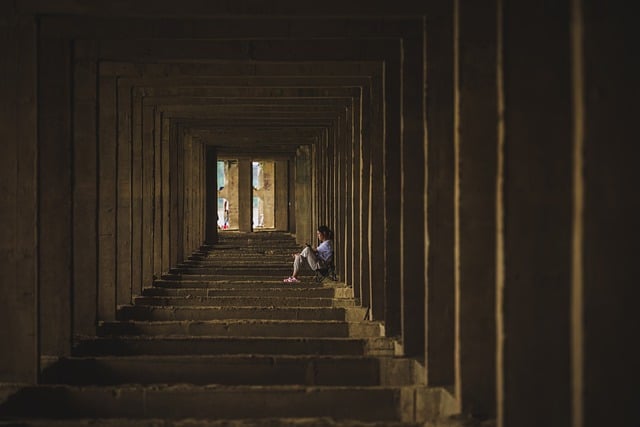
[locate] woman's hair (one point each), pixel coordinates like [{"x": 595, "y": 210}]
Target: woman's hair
[{"x": 326, "y": 231}]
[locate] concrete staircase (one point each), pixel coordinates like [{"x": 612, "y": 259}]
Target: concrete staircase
[{"x": 221, "y": 341}]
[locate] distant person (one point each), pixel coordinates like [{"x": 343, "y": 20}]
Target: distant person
[
  {"x": 315, "y": 258},
  {"x": 226, "y": 214}
]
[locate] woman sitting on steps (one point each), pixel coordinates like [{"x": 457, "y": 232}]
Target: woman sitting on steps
[{"x": 316, "y": 258}]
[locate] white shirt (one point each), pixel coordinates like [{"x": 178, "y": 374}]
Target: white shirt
[{"x": 325, "y": 251}]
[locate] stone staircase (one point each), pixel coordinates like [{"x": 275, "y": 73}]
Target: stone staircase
[{"x": 221, "y": 341}]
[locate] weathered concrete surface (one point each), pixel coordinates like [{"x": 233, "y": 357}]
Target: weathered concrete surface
[
  {"x": 190, "y": 422},
  {"x": 234, "y": 282},
  {"x": 538, "y": 208},
  {"x": 242, "y": 301},
  {"x": 476, "y": 142},
  {"x": 255, "y": 290},
  {"x": 244, "y": 327},
  {"x": 175, "y": 402},
  {"x": 440, "y": 353},
  {"x": 18, "y": 197},
  {"x": 225, "y": 369},
  {"x": 176, "y": 345},
  {"x": 209, "y": 313},
  {"x": 567, "y": 124},
  {"x": 54, "y": 195},
  {"x": 374, "y": 403},
  {"x": 257, "y": 364}
]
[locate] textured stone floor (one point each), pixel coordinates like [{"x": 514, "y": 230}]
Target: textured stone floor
[{"x": 221, "y": 341}]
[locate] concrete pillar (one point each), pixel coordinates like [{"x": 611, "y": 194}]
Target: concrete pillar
[
  {"x": 187, "y": 146},
  {"x": 18, "y": 216},
  {"x": 476, "y": 148},
  {"x": 376, "y": 221},
  {"x": 537, "y": 204},
  {"x": 393, "y": 192},
  {"x": 195, "y": 242},
  {"x": 166, "y": 195},
  {"x": 281, "y": 184},
  {"x": 202, "y": 196},
  {"x": 336, "y": 218},
  {"x": 356, "y": 198},
  {"x": 292, "y": 195},
  {"x": 157, "y": 194},
  {"x": 347, "y": 196},
  {"x": 107, "y": 201},
  {"x": 211, "y": 168},
  {"x": 412, "y": 229},
  {"x": 124, "y": 197},
  {"x": 605, "y": 275},
  {"x": 368, "y": 143},
  {"x": 175, "y": 140},
  {"x": 148, "y": 165},
  {"x": 245, "y": 195},
  {"x": 303, "y": 195},
  {"x": 54, "y": 191},
  {"x": 136, "y": 196},
  {"x": 184, "y": 135},
  {"x": 440, "y": 328},
  {"x": 85, "y": 189}
]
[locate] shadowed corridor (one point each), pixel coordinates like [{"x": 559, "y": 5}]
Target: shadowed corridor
[{"x": 161, "y": 162}]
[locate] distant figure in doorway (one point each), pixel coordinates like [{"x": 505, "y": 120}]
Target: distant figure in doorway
[
  {"x": 316, "y": 258},
  {"x": 226, "y": 214}
]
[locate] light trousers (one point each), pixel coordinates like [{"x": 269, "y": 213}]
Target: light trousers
[{"x": 308, "y": 254}]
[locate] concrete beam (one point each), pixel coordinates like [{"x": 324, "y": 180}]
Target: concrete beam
[
  {"x": 220, "y": 28},
  {"x": 293, "y": 51},
  {"x": 246, "y": 69}
]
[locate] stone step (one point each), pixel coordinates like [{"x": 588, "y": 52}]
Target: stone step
[
  {"x": 284, "y": 257},
  {"x": 280, "y": 291},
  {"x": 225, "y": 369},
  {"x": 230, "y": 251},
  {"x": 243, "y": 301},
  {"x": 240, "y": 245},
  {"x": 246, "y": 261},
  {"x": 238, "y": 283},
  {"x": 243, "y": 328},
  {"x": 231, "y": 236},
  {"x": 205, "y": 345},
  {"x": 250, "y": 270},
  {"x": 190, "y": 422},
  {"x": 305, "y": 277},
  {"x": 273, "y": 242},
  {"x": 217, "y": 402},
  {"x": 349, "y": 314},
  {"x": 224, "y": 235}
]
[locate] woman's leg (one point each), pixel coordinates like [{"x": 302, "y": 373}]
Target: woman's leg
[
  {"x": 297, "y": 263},
  {"x": 306, "y": 254},
  {"x": 311, "y": 257}
]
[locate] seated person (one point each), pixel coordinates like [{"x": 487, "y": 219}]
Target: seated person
[{"x": 316, "y": 258}]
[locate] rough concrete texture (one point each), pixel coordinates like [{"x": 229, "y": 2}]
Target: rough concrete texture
[
  {"x": 268, "y": 422},
  {"x": 234, "y": 361},
  {"x": 243, "y": 327}
]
